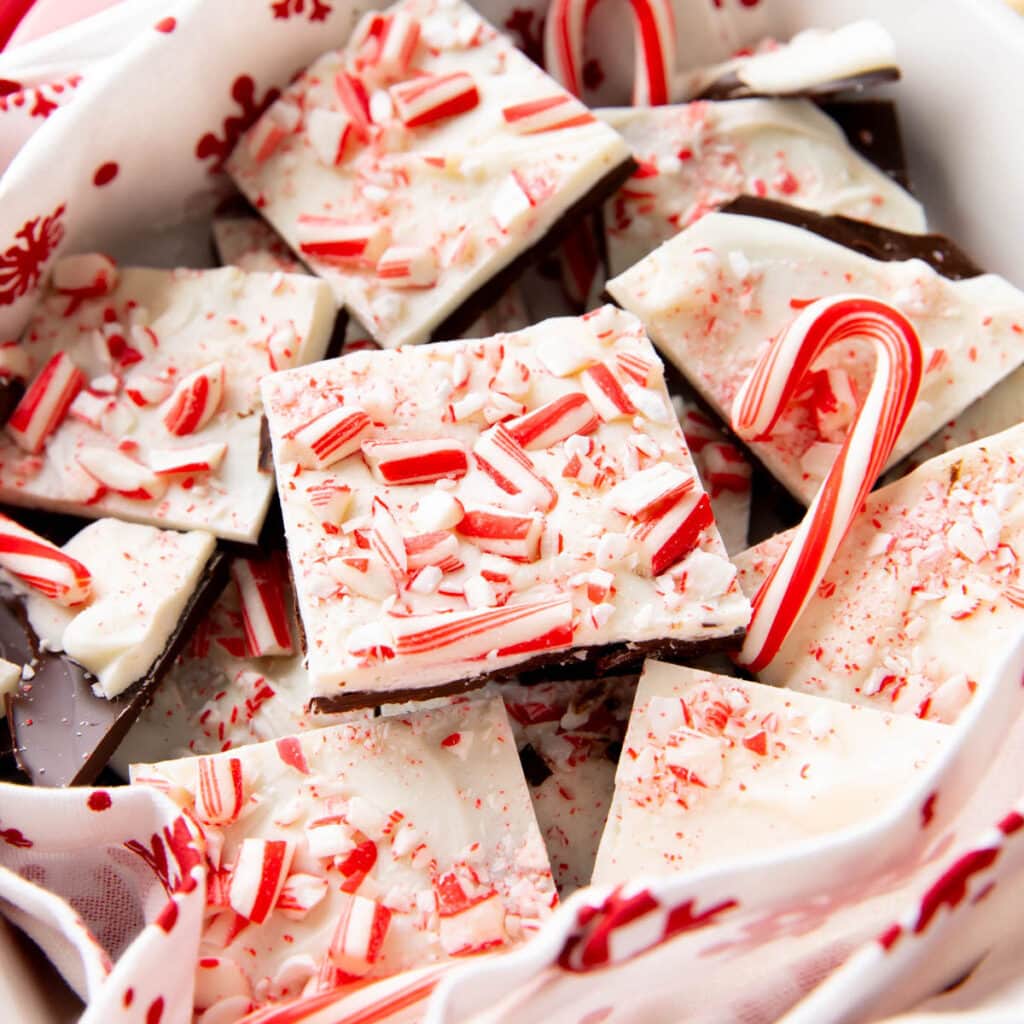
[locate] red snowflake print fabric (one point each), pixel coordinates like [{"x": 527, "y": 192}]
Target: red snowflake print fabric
[
  {"x": 22, "y": 264},
  {"x": 217, "y": 148}
]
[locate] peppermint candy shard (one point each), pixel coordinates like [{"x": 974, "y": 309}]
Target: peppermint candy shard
[
  {"x": 502, "y": 632},
  {"x": 336, "y": 241},
  {"x": 431, "y": 98},
  {"x": 548, "y": 114},
  {"x": 359, "y": 934},
  {"x": 649, "y": 493},
  {"x": 606, "y": 393},
  {"x": 262, "y": 592},
  {"x": 45, "y": 403},
  {"x": 328, "y": 438},
  {"x": 259, "y": 876},
  {"x": 220, "y": 790},
  {"x": 409, "y": 266},
  {"x": 194, "y": 400},
  {"x": 503, "y": 533},
  {"x": 43, "y": 566},
  {"x": 505, "y": 461},
  {"x": 669, "y": 537},
  {"x": 121, "y": 474},
  {"x": 555, "y": 421},
  {"x": 203, "y": 458},
  {"x": 331, "y": 135},
  {"x": 416, "y": 462}
]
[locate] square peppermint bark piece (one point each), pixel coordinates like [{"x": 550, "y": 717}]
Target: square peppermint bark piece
[
  {"x": 456, "y": 510},
  {"x": 252, "y": 245},
  {"x": 925, "y": 597},
  {"x": 715, "y": 295},
  {"x": 102, "y": 618},
  {"x": 710, "y": 762},
  {"x": 416, "y": 169},
  {"x": 694, "y": 157},
  {"x": 361, "y": 850},
  {"x": 143, "y": 392}
]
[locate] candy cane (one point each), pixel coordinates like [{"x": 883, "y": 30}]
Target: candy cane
[
  {"x": 42, "y": 565},
  {"x": 776, "y": 378},
  {"x": 654, "y": 32}
]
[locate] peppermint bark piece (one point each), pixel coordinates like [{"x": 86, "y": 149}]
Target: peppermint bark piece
[
  {"x": 362, "y": 850},
  {"x": 416, "y": 169},
  {"x": 473, "y": 507},
  {"x": 925, "y": 596},
  {"x": 695, "y": 157},
  {"x": 143, "y": 392},
  {"x": 718, "y": 292},
  {"x": 96, "y": 662},
  {"x": 709, "y": 761}
]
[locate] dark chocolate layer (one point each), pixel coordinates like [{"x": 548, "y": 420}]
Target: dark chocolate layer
[
  {"x": 872, "y": 128},
  {"x": 590, "y": 662},
  {"x": 731, "y": 87},
  {"x": 63, "y": 734},
  {"x": 939, "y": 252}
]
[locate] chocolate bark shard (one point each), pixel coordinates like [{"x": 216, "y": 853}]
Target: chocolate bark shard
[
  {"x": 942, "y": 254},
  {"x": 730, "y": 86},
  {"x": 872, "y": 128},
  {"x": 62, "y": 732}
]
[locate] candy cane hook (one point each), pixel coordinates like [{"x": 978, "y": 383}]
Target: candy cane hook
[
  {"x": 654, "y": 29},
  {"x": 756, "y": 409}
]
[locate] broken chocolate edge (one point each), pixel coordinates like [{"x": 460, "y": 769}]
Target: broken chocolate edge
[
  {"x": 732, "y": 87},
  {"x": 886, "y": 245}
]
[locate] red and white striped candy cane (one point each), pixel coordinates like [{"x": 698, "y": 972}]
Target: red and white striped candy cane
[
  {"x": 776, "y": 379},
  {"x": 654, "y": 29},
  {"x": 42, "y": 565}
]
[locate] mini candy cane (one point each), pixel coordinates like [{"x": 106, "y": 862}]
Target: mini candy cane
[
  {"x": 42, "y": 565},
  {"x": 776, "y": 378},
  {"x": 655, "y": 34}
]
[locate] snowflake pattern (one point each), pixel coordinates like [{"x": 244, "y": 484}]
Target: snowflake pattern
[
  {"x": 21, "y": 265},
  {"x": 218, "y": 147},
  {"x": 40, "y": 101},
  {"x": 316, "y": 11}
]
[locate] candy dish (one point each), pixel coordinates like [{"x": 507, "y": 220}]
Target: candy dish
[{"x": 746, "y": 941}]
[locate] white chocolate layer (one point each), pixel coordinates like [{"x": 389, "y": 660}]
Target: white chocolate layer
[
  {"x": 437, "y": 799},
  {"x": 142, "y": 580},
  {"x": 811, "y": 59},
  {"x": 176, "y": 322},
  {"x": 714, "y": 770},
  {"x": 588, "y": 564},
  {"x": 698, "y": 156},
  {"x": 453, "y": 187},
  {"x": 715, "y": 295},
  {"x": 926, "y": 593}
]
